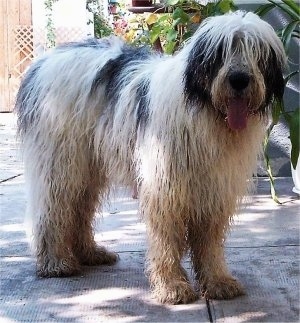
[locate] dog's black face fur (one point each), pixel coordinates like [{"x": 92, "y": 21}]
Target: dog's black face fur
[
  {"x": 273, "y": 78},
  {"x": 200, "y": 73}
]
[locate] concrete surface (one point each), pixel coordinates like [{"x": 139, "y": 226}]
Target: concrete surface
[{"x": 262, "y": 251}]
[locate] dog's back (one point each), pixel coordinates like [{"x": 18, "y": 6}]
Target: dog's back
[{"x": 189, "y": 126}]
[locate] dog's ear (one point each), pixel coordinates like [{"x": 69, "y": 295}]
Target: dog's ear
[{"x": 202, "y": 66}]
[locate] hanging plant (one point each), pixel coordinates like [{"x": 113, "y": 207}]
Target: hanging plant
[
  {"x": 50, "y": 30},
  {"x": 101, "y": 25}
]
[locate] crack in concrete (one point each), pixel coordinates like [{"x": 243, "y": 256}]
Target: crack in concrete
[{"x": 9, "y": 178}]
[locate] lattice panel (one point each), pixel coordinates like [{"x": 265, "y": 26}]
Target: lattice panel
[
  {"x": 23, "y": 48},
  {"x": 29, "y": 42},
  {"x": 21, "y": 57},
  {"x": 69, "y": 34}
]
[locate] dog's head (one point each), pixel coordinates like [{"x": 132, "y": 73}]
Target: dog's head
[{"x": 234, "y": 65}]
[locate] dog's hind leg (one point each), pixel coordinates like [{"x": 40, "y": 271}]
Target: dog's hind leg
[
  {"x": 206, "y": 239},
  {"x": 88, "y": 252},
  {"x": 50, "y": 208},
  {"x": 167, "y": 246},
  {"x": 63, "y": 187}
]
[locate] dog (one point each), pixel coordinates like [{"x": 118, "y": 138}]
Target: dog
[{"x": 186, "y": 128}]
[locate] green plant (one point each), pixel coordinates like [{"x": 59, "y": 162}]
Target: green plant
[
  {"x": 167, "y": 31},
  {"x": 50, "y": 30},
  {"x": 291, "y": 30},
  {"x": 101, "y": 25}
]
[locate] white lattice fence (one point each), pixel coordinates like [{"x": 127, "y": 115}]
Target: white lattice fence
[
  {"x": 69, "y": 34},
  {"x": 23, "y": 48},
  {"x": 21, "y": 56},
  {"x": 29, "y": 42}
]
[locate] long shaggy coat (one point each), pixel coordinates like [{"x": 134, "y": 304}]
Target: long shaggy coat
[{"x": 186, "y": 128}]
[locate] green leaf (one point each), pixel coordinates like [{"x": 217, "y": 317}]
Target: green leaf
[
  {"x": 293, "y": 120},
  {"x": 296, "y": 34},
  {"x": 181, "y": 15},
  {"x": 187, "y": 35},
  {"x": 289, "y": 10},
  {"x": 289, "y": 76},
  {"x": 264, "y": 9},
  {"x": 176, "y": 22},
  {"x": 164, "y": 18},
  {"x": 225, "y": 5},
  {"x": 172, "y": 35},
  {"x": 277, "y": 109},
  {"x": 172, "y": 2},
  {"x": 287, "y": 33},
  {"x": 292, "y": 5},
  {"x": 170, "y": 47},
  {"x": 151, "y": 19},
  {"x": 154, "y": 33}
]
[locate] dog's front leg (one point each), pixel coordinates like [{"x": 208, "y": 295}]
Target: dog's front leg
[
  {"x": 166, "y": 235},
  {"x": 206, "y": 239}
]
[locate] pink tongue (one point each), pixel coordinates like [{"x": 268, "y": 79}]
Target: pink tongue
[{"x": 237, "y": 114}]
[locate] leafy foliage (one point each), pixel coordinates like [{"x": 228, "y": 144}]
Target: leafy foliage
[
  {"x": 50, "y": 31},
  {"x": 101, "y": 25},
  {"x": 169, "y": 30}
]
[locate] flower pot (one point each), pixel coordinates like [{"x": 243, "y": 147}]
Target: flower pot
[
  {"x": 296, "y": 178},
  {"x": 141, "y": 3}
]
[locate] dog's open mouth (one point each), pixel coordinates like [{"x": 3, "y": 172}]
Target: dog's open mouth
[{"x": 237, "y": 113}]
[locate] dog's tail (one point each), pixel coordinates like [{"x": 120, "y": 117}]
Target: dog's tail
[{"x": 27, "y": 98}]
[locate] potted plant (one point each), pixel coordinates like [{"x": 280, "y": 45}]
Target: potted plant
[
  {"x": 168, "y": 27},
  {"x": 141, "y": 3},
  {"x": 279, "y": 112},
  {"x": 101, "y": 25}
]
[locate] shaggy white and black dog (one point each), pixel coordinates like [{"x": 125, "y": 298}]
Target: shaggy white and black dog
[{"x": 187, "y": 128}]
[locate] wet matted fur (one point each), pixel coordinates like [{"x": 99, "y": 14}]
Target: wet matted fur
[{"x": 188, "y": 128}]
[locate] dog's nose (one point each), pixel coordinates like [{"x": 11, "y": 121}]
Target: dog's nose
[{"x": 239, "y": 80}]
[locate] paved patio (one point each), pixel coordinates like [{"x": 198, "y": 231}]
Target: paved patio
[{"x": 262, "y": 251}]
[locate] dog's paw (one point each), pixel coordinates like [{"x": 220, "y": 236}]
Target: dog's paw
[
  {"x": 58, "y": 267},
  {"x": 224, "y": 288},
  {"x": 175, "y": 293},
  {"x": 100, "y": 256}
]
